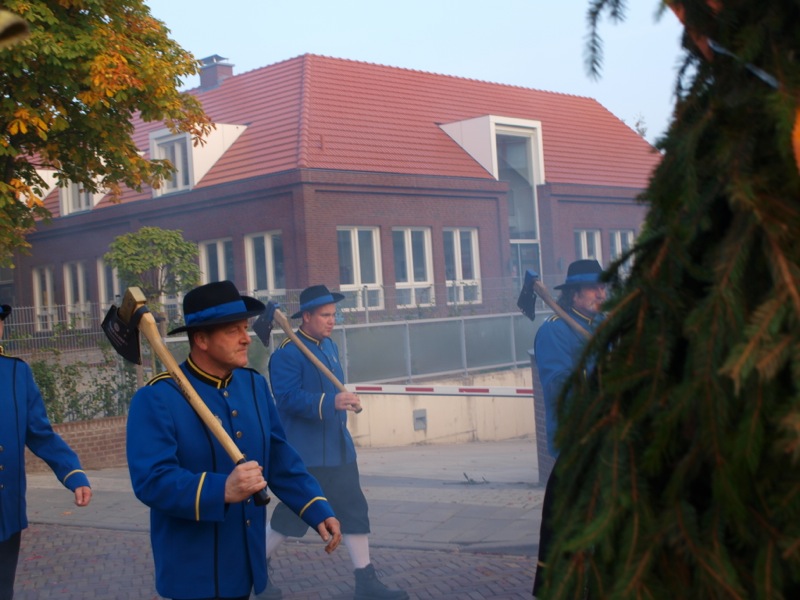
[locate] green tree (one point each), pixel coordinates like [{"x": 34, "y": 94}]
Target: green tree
[
  {"x": 68, "y": 97},
  {"x": 679, "y": 466},
  {"x": 158, "y": 261}
]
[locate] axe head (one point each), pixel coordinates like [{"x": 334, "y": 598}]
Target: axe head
[
  {"x": 527, "y": 297},
  {"x": 121, "y": 325},
  {"x": 263, "y": 324}
]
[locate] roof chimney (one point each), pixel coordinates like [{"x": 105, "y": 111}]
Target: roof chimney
[{"x": 213, "y": 71}]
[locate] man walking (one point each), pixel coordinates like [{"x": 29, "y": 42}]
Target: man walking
[
  {"x": 557, "y": 349},
  {"x": 314, "y": 414},
  {"x": 205, "y": 529},
  {"x": 24, "y": 423}
]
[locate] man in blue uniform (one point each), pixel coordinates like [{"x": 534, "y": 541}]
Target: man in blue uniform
[
  {"x": 23, "y": 423},
  {"x": 206, "y": 531},
  {"x": 557, "y": 348},
  {"x": 314, "y": 414}
]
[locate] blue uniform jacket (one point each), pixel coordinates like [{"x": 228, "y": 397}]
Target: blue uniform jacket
[
  {"x": 202, "y": 547},
  {"x": 23, "y": 423},
  {"x": 557, "y": 348},
  {"x": 305, "y": 399}
]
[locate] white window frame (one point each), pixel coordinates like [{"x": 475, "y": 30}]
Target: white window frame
[
  {"x": 589, "y": 244},
  {"x": 274, "y": 288},
  {"x": 108, "y": 279},
  {"x": 43, "y": 304},
  {"x": 218, "y": 247},
  {"x": 172, "y": 306},
  {"x": 75, "y": 295},
  {"x": 462, "y": 290},
  {"x": 75, "y": 199},
  {"x": 182, "y": 178},
  {"x": 416, "y": 290},
  {"x": 361, "y": 295},
  {"x": 620, "y": 241}
]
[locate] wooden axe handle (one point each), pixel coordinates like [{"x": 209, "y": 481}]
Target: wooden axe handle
[
  {"x": 147, "y": 325},
  {"x": 544, "y": 294},
  {"x": 284, "y": 324}
]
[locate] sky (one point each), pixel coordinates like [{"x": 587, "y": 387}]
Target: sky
[{"x": 538, "y": 44}]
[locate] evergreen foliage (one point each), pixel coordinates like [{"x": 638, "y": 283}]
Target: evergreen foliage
[{"x": 679, "y": 471}]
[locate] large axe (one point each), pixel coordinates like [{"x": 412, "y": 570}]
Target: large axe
[
  {"x": 527, "y": 302},
  {"x": 122, "y": 327},
  {"x": 263, "y": 327}
]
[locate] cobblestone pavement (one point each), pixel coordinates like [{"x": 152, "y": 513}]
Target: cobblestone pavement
[
  {"x": 80, "y": 563},
  {"x": 458, "y": 521}
]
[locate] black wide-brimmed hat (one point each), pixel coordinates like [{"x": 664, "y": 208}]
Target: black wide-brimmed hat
[
  {"x": 582, "y": 272},
  {"x": 216, "y": 303},
  {"x": 5, "y": 310},
  {"x": 314, "y": 296}
]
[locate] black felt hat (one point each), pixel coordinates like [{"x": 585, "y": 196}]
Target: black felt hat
[
  {"x": 216, "y": 303},
  {"x": 582, "y": 272},
  {"x": 314, "y": 296}
]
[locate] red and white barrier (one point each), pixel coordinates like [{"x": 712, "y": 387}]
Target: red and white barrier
[{"x": 441, "y": 390}]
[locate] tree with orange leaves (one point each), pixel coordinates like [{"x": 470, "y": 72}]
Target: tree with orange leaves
[
  {"x": 680, "y": 456},
  {"x": 68, "y": 94}
]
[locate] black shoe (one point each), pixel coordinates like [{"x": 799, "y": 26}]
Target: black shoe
[{"x": 369, "y": 587}]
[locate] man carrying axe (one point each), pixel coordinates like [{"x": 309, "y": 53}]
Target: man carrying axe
[
  {"x": 206, "y": 531},
  {"x": 314, "y": 411},
  {"x": 558, "y": 346}
]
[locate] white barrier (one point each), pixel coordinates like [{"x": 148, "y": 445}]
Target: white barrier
[{"x": 441, "y": 390}]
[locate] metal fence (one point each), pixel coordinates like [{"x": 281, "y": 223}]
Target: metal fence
[
  {"x": 388, "y": 346},
  {"x": 35, "y": 333}
]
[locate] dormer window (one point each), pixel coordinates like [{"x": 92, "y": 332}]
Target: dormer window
[
  {"x": 75, "y": 199},
  {"x": 511, "y": 150},
  {"x": 177, "y": 150}
]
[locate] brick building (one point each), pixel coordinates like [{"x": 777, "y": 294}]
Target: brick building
[{"x": 403, "y": 189}]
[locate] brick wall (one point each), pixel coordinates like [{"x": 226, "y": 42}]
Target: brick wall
[{"x": 100, "y": 444}]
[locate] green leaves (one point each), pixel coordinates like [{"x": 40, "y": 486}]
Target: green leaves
[
  {"x": 680, "y": 468},
  {"x": 159, "y": 261},
  {"x": 69, "y": 94}
]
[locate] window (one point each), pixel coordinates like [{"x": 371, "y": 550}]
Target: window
[
  {"x": 75, "y": 199},
  {"x": 108, "y": 284},
  {"x": 461, "y": 262},
  {"x": 78, "y": 311},
  {"x": 587, "y": 244},
  {"x": 413, "y": 269},
  {"x": 517, "y": 164},
  {"x": 175, "y": 149},
  {"x": 620, "y": 241},
  {"x": 265, "y": 267},
  {"x": 216, "y": 260},
  {"x": 523, "y": 258},
  {"x": 360, "y": 277},
  {"x": 44, "y": 306}
]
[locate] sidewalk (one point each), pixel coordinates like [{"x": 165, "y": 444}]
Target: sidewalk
[{"x": 456, "y": 521}]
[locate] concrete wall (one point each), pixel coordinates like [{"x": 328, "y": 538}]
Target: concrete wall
[{"x": 387, "y": 420}]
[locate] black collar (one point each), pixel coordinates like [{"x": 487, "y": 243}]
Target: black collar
[
  {"x": 211, "y": 380},
  {"x": 308, "y": 337},
  {"x": 582, "y": 317}
]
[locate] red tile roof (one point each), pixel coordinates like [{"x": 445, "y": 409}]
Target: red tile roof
[{"x": 326, "y": 113}]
